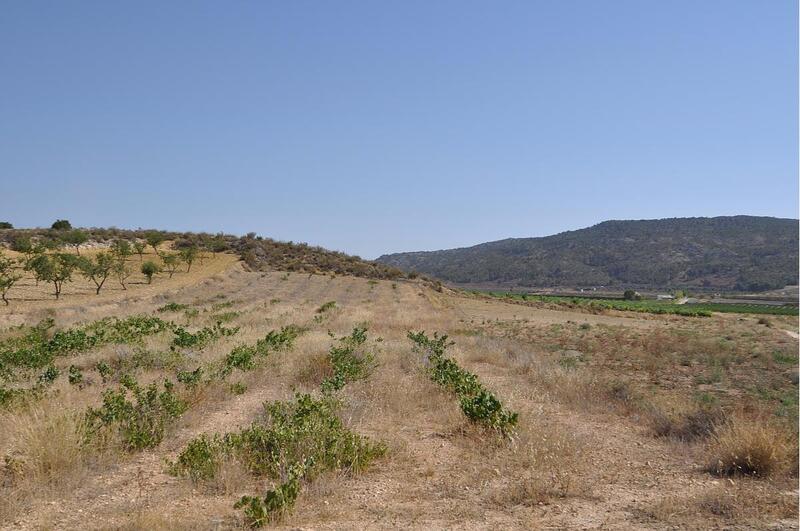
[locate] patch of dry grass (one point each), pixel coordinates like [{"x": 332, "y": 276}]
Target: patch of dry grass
[
  {"x": 545, "y": 461},
  {"x": 738, "y": 503},
  {"x": 749, "y": 447},
  {"x": 46, "y": 454}
]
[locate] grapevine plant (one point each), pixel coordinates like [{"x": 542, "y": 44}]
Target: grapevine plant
[
  {"x": 477, "y": 403},
  {"x": 295, "y": 441}
]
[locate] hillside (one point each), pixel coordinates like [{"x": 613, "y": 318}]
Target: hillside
[
  {"x": 725, "y": 253},
  {"x": 261, "y": 254}
]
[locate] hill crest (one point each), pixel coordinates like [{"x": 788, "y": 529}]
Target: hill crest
[{"x": 749, "y": 253}]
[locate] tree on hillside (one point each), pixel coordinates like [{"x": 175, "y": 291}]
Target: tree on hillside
[
  {"x": 217, "y": 244},
  {"x": 122, "y": 271},
  {"x": 171, "y": 262},
  {"x": 8, "y": 275},
  {"x": 121, "y": 249},
  {"x": 188, "y": 256},
  {"x": 29, "y": 263},
  {"x": 61, "y": 224},
  {"x": 149, "y": 269},
  {"x": 22, "y": 244},
  {"x": 97, "y": 269},
  {"x": 154, "y": 239},
  {"x": 6, "y": 225},
  {"x": 631, "y": 295},
  {"x": 75, "y": 238},
  {"x": 139, "y": 247},
  {"x": 49, "y": 244},
  {"x": 56, "y": 268}
]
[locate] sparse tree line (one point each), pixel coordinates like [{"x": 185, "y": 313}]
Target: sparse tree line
[
  {"x": 257, "y": 252},
  {"x": 45, "y": 258}
]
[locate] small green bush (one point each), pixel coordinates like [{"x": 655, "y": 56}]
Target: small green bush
[
  {"x": 349, "y": 361},
  {"x": 104, "y": 370},
  {"x": 49, "y": 375},
  {"x": 37, "y": 348},
  {"x": 303, "y": 435},
  {"x": 238, "y": 388},
  {"x": 201, "y": 338},
  {"x": 149, "y": 269},
  {"x": 172, "y": 307},
  {"x": 477, "y": 403},
  {"x": 141, "y": 422},
  {"x": 190, "y": 379},
  {"x": 75, "y": 375}
]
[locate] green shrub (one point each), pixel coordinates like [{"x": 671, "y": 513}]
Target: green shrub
[
  {"x": 278, "y": 501},
  {"x": 200, "y": 460},
  {"x": 49, "y": 375},
  {"x": 35, "y": 349},
  {"x": 190, "y": 378},
  {"x": 477, "y": 403},
  {"x": 149, "y": 269},
  {"x": 238, "y": 388},
  {"x": 349, "y": 362},
  {"x": 243, "y": 357},
  {"x": 8, "y": 396},
  {"x": 303, "y": 435},
  {"x": 75, "y": 375},
  {"x": 104, "y": 370},
  {"x": 172, "y": 307},
  {"x": 141, "y": 422},
  {"x": 486, "y": 408},
  {"x": 201, "y": 338}
]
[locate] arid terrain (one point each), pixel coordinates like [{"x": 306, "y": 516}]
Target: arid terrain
[{"x": 625, "y": 420}]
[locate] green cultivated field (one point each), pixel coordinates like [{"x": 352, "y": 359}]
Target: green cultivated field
[{"x": 650, "y": 306}]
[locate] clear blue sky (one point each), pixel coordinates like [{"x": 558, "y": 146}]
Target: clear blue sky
[{"x": 372, "y": 127}]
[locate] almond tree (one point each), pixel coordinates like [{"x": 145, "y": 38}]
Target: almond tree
[
  {"x": 56, "y": 268},
  {"x": 188, "y": 256},
  {"x": 171, "y": 262},
  {"x": 22, "y": 244},
  {"x": 149, "y": 269},
  {"x": 139, "y": 247},
  {"x": 8, "y": 275},
  {"x": 97, "y": 269},
  {"x": 121, "y": 249},
  {"x": 75, "y": 238},
  {"x": 122, "y": 271},
  {"x": 154, "y": 239}
]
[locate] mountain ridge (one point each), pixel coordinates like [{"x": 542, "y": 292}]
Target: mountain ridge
[{"x": 741, "y": 253}]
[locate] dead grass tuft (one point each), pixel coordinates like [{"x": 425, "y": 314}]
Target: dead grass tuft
[
  {"x": 316, "y": 369},
  {"x": 46, "y": 455},
  {"x": 747, "y": 447},
  {"x": 46, "y": 447},
  {"x": 551, "y": 463},
  {"x": 685, "y": 426},
  {"x": 738, "y": 502}
]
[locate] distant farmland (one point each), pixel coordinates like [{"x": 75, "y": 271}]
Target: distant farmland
[{"x": 703, "y": 309}]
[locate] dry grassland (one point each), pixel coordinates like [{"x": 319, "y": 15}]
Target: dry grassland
[{"x": 625, "y": 421}]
